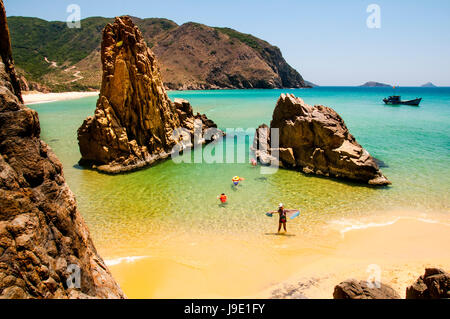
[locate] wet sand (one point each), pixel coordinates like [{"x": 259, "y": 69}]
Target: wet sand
[{"x": 208, "y": 266}]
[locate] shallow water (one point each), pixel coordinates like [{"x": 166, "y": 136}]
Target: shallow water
[{"x": 153, "y": 210}]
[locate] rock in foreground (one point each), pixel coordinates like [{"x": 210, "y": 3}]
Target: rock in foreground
[
  {"x": 135, "y": 121},
  {"x": 353, "y": 289},
  {"x": 316, "y": 140},
  {"x": 43, "y": 238},
  {"x": 434, "y": 284}
]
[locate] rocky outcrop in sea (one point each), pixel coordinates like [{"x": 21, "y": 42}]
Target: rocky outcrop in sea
[
  {"x": 135, "y": 123},
  {"x": 45, "y": 247},
  {"x": 316, "y": 140}
]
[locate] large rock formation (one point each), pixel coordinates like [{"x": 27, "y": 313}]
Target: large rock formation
[
  {"x": 353, "y": 289},
  {"x": 43, "y": 238},
  {"x": 434, "y": 284},
  {"x": 316, "y": 140},
  {"x": 135, "y": 121}
]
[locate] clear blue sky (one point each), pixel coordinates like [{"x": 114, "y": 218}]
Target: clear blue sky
[{"x": 327, "y": 41}]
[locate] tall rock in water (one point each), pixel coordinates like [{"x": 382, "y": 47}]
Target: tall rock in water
[
  {"x": 316, "y": 140},
  {"x": 43, "y": 238},
  {"x": 134, "y": 122}
]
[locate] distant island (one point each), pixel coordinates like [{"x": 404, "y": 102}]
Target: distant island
[
  {"x": 53, "y": 58},
  {"x": 428, "y": 85},
  {"x": 375, "y": 84}
]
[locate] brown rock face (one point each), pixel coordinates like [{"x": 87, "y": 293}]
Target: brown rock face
[
  {"x": 434, "y": 284},
  {"x": 195, "y": 56},
  {"x": 316, "y": 140},
  {"x": 43, "y": 238},
  {"x": 26, "y": 86},
  {"x": 8, "y": 74},
  {"x": 135, "y": 121},
  {"x": 353, "y": 289}
]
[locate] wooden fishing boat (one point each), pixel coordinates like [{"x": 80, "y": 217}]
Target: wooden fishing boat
[{"x": 396, "y": 99}]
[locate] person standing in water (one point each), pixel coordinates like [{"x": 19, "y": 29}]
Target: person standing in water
[
  {"x": 223, "y": 199},
  {"x": 283, "y": 216},
  {"x": 236, "y": 180}
]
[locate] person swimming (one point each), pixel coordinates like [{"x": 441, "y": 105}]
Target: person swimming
[
  {"x": 236, "y": 180},
  {"x": 283, "y": 216}
]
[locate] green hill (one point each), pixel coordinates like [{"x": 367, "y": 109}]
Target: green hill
[
  {"x": 60, "y": 58},
  {"x": 35, "y": 39}
]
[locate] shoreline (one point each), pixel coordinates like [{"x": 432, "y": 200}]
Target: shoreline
[
  {"x": 401, "y": 250},
  {"x": 31, "y": 98},
  {"x": 207, "y": 267},
  {"x": 34, "y": 97}
]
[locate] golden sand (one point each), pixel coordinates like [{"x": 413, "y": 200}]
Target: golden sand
[{"x": 209, "y": 266}]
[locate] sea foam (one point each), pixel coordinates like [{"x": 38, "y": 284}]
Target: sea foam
[{"x": 128, "y": 259}]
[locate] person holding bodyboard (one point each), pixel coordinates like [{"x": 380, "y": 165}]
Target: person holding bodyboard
[{"x": 283, "y": 215}]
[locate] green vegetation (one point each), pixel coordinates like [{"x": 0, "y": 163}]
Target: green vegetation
[
  {"x": 152, "y": 27},
  {"x": 247, "y": 39},
  {"x": 35, "y": 39},
  {"x": 61, "y": 59}
]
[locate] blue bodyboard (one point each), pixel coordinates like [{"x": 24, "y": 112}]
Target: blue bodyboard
[{"x": 295, "y": 215}]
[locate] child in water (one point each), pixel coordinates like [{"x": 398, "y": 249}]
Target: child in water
[
  {"x": 223, "y": 199},
  {"x": 236, "y": 180}
]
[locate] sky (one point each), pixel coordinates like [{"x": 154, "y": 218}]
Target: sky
[{"x": 328, "y": 42}]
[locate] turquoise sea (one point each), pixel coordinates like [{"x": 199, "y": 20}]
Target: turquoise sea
[{"x": 128, "y": 214}]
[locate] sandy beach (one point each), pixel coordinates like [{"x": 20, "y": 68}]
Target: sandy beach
[
  {"x": 401, "y": 251},
  {"x": 286, "y": 266},
  {"x": 37, "y": 97}
]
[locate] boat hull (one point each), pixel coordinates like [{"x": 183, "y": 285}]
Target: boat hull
[{"x": 414, "y": 102}]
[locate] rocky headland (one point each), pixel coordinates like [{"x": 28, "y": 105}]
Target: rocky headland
[
  {"x": 315, "y": 139},
  {"x": 135, "y": 123},
  {"x": 45, "y": 246}
]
